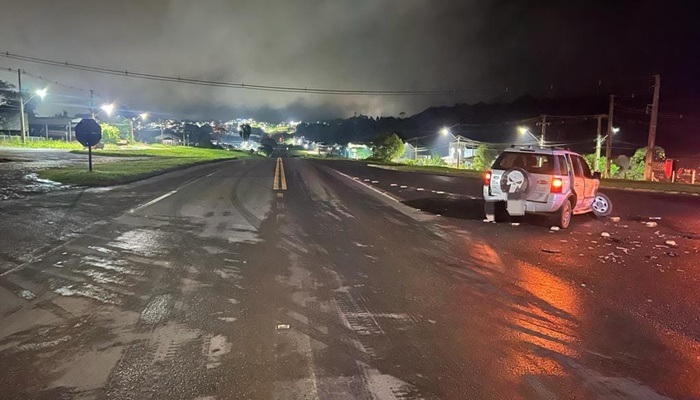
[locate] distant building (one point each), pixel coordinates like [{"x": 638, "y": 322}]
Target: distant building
[
  {"x": 168, "y": 139},
  {"x": 56, "y": 128},
  {"x": 462, "y": 152}
]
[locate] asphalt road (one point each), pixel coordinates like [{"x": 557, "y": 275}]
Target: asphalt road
[{"x": 208, "y": 284}]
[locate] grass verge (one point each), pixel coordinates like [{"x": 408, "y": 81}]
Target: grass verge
[
  {"x": 433, "y": 169},
  {"x": 175, "y": 151},
  {"x": 115, "y": 173},
  {"x": 662, "y": 187},
  {"x": 39, "y": 144}
]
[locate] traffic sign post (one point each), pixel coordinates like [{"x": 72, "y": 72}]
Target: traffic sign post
[{"x": 88, "y": 133}]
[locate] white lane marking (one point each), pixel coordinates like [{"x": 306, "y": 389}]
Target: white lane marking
[
  {"x": 375, "y": 181},
  {"x": 369, "y": 187},
  {"x": 403, "y": 186},
  {"x": 440, "y": 192},
  {"x": 154, "y": 201},
  {"x": 215, "y": 172},
  {"x": 420, "y": 189},
  {"x": 157, "y": 199},
  {"x": 393, "y": 184}
]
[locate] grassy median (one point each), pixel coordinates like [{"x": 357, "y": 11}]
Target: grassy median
[
  {"x": 430, "y": 169},
  {"x": 662, "y": 187},
  {"x": 39, "y": 144},
  {"x": 151, "y": 162}
]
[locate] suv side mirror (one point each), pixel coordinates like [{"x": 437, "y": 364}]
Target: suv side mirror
[{"x": 596, "y": 175}]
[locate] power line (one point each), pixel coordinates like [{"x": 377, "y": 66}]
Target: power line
[
  {"x": 25, "y": 72},
  {"x": 223, "y": 84}
]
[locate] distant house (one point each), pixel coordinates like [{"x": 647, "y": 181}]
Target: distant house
[
  {"x": 462, "y": 152},
  {"x": 56, "y": 128},
  {"x": 10, "y": 123},
  {"x": 168, "y": 139}
]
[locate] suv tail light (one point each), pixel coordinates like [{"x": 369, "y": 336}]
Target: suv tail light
[
  {"x": 557, "y": 185},
  {"x": 487, "y": 178}
]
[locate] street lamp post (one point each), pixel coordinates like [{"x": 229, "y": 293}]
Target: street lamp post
[
  {"x": 524, "y": 129},
  {"x": 23, "y": 121},
  {"x": 446, "y": 132},
  {"x": 143, "y": 116}
]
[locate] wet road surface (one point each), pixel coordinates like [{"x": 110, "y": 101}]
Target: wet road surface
[{"x": 207, "y": 283}]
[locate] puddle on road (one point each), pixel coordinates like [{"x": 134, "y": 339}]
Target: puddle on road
[
  {"x": 145, "y": 242},
  {"x": 109, "y": 264},
  {"x": 89, "y": 291},
  {"x": 101, "y": 277}
]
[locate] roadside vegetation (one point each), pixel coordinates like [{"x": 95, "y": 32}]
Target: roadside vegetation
[
  {"x": 16, "y": 141},
  {"x": 151, "y": 161}
]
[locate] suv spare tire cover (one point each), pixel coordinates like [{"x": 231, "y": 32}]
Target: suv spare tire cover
[{"x": 515, "y": 181}]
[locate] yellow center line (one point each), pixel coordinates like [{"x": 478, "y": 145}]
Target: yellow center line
[
  {"x": 280, "y": 182},
  {"x": 276, "y": 182},
  {"x": 283, "y": 176}
]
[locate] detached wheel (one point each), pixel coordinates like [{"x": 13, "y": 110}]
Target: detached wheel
[
  {"x": 562, "y": 218},
  {"x": 601, "y": 206}
]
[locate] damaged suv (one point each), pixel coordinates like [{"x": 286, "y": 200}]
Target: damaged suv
[{"x": 537, "y": 180}]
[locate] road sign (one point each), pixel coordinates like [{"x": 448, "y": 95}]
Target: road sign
[{"x": 88, "y": 133}]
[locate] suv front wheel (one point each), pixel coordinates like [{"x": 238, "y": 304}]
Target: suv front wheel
[{"x": 562, "y": 218}]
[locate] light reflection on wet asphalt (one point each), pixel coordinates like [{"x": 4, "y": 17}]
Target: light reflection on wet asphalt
[{"x": 317, "y": 295}]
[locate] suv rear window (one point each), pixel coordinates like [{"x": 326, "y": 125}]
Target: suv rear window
[{"x": 533, "y": 163}]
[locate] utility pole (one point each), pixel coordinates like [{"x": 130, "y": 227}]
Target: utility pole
[
  {"x": 23, "y": 121},
  {"x": 92, "y": 104},
  {"x": 598, "y": 143},
  {"x": 608, "y": 140},
  {"x": 415, "y": 150},
  {"x": 459, "y": 150},
  {"x": 544, "y": 124},
  {"x": 648, "y": 173},
  {"x": 131, "y": 124}
]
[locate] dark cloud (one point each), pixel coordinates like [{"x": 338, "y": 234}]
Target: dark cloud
[{"x": 379, "y": 44}]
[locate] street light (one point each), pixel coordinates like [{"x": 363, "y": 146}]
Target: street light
[
  {"x": 108, "y": 108},
  {"x": 524, "y": 129},
  {"x": 143, "y": 117},
  {"x": 41, "y": 93},
  {"x": 445, "y": 131}
]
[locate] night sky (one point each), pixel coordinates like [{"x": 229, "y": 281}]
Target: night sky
[{"x": 545, "y": 48}]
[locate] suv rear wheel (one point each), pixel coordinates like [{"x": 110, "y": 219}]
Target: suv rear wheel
[{"x": 562, "y": 218}]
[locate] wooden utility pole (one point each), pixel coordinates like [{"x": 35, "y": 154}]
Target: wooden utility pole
[
  {"x": 544, "y": 129},
  {"x": 648, "y": 173},
  {"x": 598, "y": 143},
  {"x": 23, "y": 121},
  {"x": 608, "y": 141},
  {"x": 92, "y": 104}
]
